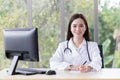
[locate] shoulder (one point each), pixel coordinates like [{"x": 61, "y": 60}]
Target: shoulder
[
  {"x": 92, "y": 43},
  {"x": 93, "y": 46},
  {"x": 63, "y": 43}
]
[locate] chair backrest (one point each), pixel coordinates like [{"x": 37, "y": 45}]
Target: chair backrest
[{"x": 101, "y": 54}]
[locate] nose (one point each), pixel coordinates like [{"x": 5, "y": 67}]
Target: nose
[{"x": 77, "y": 28}]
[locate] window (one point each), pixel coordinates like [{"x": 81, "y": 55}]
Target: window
[
  {"x": 109, "y": 29},
  {"x": 13, "y": 13}
]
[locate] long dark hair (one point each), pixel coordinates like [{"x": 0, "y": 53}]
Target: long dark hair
[{"x": 73, "y": 17}]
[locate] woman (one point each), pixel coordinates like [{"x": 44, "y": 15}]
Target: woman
[{"x": 77, "y": 52}]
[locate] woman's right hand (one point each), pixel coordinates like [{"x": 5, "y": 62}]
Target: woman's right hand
[{"x": 72, "y": 67}]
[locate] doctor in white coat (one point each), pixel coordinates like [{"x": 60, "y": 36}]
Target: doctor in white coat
[{"x": 77, "y": 52}]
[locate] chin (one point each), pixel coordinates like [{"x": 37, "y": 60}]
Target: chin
[{"x": 79, "y": 36}]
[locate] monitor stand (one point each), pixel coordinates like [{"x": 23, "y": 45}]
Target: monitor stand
[
  {"x": 12, "y": 70},
  {"x": 13, "y": 65}
]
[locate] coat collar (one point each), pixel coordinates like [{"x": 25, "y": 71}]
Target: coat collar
[{"x": 71, "y": 44}]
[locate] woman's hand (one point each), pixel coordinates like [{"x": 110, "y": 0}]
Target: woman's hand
[
  {"x": 72, "y": 67},
  {"x": 84, "y": 68}
]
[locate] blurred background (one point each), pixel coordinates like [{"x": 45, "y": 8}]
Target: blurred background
[{"x": 51, "y": 18}]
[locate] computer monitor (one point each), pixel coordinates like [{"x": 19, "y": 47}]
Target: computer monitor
[{"x": 20, "y": 44}]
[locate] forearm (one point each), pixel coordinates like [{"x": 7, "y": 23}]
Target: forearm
[{"x": 59, "y": 65}]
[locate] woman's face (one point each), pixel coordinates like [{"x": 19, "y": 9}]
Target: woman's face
[{"x": 78, "y": 28}]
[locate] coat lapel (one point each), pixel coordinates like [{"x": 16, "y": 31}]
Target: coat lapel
[{"x": 77, "y": 56}]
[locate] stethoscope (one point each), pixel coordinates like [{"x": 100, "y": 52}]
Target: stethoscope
[{"x": 67, "y": 48}]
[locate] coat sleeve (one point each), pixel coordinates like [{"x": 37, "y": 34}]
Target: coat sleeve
[
  {"x": 57, "y": 60},
  {"x": 96, "y": 62}
]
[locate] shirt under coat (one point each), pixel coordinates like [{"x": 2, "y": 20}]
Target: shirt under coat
[{"x": 62, "y": 59}]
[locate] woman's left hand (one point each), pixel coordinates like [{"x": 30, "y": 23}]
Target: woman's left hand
[{"x": 84, "y": 68}]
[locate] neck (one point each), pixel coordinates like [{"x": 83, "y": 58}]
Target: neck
[{"x": 77, "y": 41}]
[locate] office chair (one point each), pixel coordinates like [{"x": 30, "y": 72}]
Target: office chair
[{"x": 101, "y": 54}]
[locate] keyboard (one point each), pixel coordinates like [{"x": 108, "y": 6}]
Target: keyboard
[{"x": 31, "y": 70}]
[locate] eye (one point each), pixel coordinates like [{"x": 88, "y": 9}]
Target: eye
[
  {"x": 81, "y": 25},
  {"x": 74, "y": 26}
]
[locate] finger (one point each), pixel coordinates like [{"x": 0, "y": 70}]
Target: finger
[{"x": 83, "y": 69}]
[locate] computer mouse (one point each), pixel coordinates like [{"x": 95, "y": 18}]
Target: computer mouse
[{"x": 50, "y": 72}]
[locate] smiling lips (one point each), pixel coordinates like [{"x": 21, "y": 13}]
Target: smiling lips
[{"x": 78, "y": 33}]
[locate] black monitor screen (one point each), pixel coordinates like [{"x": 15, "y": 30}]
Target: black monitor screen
[{"x": 21, "y": 42}]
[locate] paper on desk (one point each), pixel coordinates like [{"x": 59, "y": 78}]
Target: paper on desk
[{"x": 75, "y": 71}]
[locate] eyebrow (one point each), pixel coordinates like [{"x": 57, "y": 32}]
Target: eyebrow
[
  {"x": 75, "y": 23},
  {"x": 79, "y": 24}
]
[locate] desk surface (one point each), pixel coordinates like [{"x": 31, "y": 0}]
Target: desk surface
[{"x": 104, "y": 74}]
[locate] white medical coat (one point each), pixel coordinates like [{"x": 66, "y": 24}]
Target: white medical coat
[{"x": 61, "y": 59}]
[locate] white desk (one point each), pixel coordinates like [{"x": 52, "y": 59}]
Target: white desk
[{"x": 104, "y": 74}]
